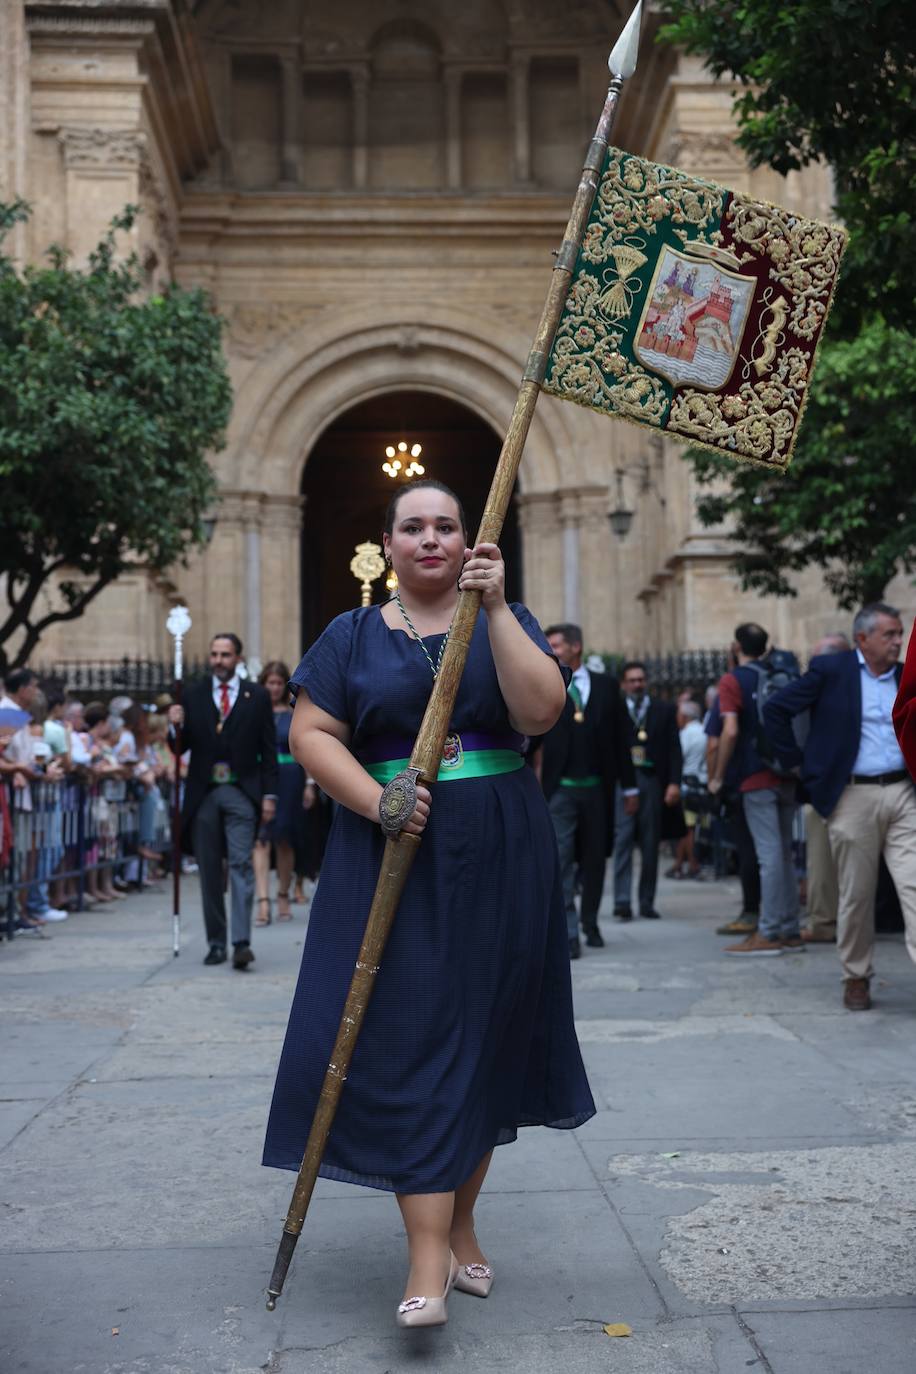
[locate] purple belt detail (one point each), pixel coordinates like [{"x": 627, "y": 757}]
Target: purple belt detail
[{"x": 380, "y": 748}]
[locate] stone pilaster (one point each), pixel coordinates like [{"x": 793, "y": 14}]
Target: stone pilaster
[
  {"x": 453, "y": 80},
  {"x": 281, "y": 611},
  {"x": 14, "y": 115},
  {"x": 542, "y": 554},
  {"x": 521, "y": 119},
  {"x": 359, "y": 78},
  {"x": 291, "y": 142}
]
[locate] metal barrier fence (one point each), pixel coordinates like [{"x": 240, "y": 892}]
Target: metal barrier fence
[
  {"x": 145, "y": 679},
  {"x": 61, "y": 832}
]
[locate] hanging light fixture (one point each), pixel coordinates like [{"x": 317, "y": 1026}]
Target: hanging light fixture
[{"x": 401, "y": 460}]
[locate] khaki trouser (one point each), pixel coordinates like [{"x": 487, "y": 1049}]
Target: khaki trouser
[
  {"x": 869, "y": 821},
  {"x": 823, "y": 891}
]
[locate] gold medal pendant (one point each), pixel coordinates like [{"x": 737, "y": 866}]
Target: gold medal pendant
[
  {"x": 219, "y": 727},
  {"x": 642, "y": 736},
  {"x": 579, "y": 716}
]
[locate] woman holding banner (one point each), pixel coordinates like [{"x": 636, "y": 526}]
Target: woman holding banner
[{"x": 469, "y": 1033}]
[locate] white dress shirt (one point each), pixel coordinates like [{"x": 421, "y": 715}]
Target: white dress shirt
[
  {"x": 583, "y": 683},
  {"x": 233, "y": 684},
  {"x": 879, "y": 751}
]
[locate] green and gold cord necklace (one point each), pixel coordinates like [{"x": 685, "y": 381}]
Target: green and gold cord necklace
[{"x": 410, "y": 625}]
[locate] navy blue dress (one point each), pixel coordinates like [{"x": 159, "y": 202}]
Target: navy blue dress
[
  {"x": 469, "y": 1033},
  {"x": 290, "y": 786}
]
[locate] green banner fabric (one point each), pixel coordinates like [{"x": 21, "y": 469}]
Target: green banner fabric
[{"x": 695, "y": 310}]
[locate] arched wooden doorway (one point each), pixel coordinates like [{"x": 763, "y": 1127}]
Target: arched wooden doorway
[{"x": 346, "y": 491}]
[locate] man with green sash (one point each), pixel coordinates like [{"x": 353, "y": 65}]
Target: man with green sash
[
  {"x": 227, "y": 723},
  {"x": 583, "y": 758}
]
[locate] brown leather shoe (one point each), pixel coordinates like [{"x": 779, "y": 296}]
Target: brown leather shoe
[
  {"x": 793, "y": 942},
  {"x": 817, "y": 937},
  {"x": 742, "y": 925},
  {"x": 856, "y": 996},
  {"x": 242, "y": 956},
  {"x": 756, "y": 946}
]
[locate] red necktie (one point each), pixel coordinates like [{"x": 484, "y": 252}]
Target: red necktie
[{"x": 224, "y": 699}]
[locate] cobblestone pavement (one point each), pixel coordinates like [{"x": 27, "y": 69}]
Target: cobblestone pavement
[{"x": 744, "y": 1199}]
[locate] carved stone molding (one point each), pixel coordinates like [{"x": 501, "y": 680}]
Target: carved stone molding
[
  {"x": 408, "y": 341},
  {"x": 539, "y": 512},
  {"x": 283, "y": 514},
  {"x": 252, "y": 328},
  {"x": 703, "y": 149},
  {"x": 98, "y": 149}
]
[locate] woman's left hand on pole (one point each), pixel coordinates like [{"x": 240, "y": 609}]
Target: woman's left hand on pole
[{"x": 484, "y": 571}]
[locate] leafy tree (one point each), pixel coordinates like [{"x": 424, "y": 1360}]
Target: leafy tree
[
  {"x": 848, "y": 502},
  {"x": 109, "y": 403},
  {"x": 832, "y": 80}
]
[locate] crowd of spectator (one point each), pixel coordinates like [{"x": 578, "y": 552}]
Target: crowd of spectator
[{"x": 83, "y": 800}]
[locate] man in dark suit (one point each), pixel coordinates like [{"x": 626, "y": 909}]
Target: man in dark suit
[
  {"x": 855, "y": 777},
  {"x": 654, "y": 746},
  {"x": 227, "y": 723},
  {"x": 582, "y": 759}
]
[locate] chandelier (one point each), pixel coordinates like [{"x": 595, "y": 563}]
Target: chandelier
[{"x": 401, "y": 460}]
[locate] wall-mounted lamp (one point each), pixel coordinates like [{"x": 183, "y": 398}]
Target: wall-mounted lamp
[{"x": 621, "y": 517}]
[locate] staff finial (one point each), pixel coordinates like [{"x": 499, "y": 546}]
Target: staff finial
[{"x": 622, "y": 61}]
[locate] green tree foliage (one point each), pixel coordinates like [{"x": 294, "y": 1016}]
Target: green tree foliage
[
  {"x": 832, "y": 80},
  {"x": 848, "y": 502},
  {"x": 109, "y": 402}
]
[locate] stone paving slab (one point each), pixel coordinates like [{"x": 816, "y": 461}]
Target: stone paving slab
[{"x": 133, "y": 1096}]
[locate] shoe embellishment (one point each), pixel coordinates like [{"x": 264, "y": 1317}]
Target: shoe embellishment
[
  {"x": 412, "y": 1305},
  {"x": 478, "y": 1271}
]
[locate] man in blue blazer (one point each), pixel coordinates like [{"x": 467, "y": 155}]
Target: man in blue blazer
[{"x": 855, "y": 777}]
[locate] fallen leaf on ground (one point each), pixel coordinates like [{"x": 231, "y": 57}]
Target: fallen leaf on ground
[
  {"x": 617, "y": 1329},
  {"x": 671, "y": 1154},
  {"x": 116, "y": 1330}
]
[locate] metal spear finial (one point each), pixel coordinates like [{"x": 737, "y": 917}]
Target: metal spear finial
[{"x": 622, "y": 61}]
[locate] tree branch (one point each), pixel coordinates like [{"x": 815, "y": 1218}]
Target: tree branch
[{"x": 55, "y": 617}]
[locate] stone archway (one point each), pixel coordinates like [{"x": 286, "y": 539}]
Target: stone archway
[
  {"x": 346, "y": 491},
  {"x": 312, "y": 377}
]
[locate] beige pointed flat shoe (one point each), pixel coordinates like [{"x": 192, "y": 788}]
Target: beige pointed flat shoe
[
  {"x": 476, "y": 1279},
  {"x": 422, "y": 1311}
]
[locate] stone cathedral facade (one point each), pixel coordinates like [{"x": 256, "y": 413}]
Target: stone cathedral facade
[{"x": 371, "y": 191}]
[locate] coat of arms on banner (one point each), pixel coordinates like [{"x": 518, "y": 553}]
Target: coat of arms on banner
[{"x": 695, "y": 310}]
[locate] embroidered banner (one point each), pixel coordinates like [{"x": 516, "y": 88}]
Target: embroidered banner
[{"x": 695, "y": 310}]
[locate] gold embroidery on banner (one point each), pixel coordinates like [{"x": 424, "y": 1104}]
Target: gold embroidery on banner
[
  {"x": 805, "y": 257},
  {"x": 616, "y": 303},
  {"x": 770, "y": 335},
  {"x": 758, "y": 422},
  {"x": 587, "y": 365}
]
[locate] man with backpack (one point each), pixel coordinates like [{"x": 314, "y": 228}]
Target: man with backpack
[{"x": 767, "y": 794}]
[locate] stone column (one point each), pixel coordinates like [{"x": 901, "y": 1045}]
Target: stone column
[
  {"x": 223, "y": 99},
  {"x": 251, "y": 516},
  {"x": 569, "y": 516},
  {"x": 521, "y": 124},
  {"x": 281, "y": 628},
  {"x": 542, "y": 554},
  {"x": 14, "y": 116},
  {"x": 291, "y": 145},
  {"x": 453, "y": 79},
  {"x": 359, "y": 77},
  {"x": 600, "y": 594},
  {"x": 222, "y": 577}
]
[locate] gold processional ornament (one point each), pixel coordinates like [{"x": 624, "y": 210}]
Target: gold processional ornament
[{"x": 367, "y": 564}]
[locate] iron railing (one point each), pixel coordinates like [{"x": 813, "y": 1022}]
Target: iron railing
[{"x": 61, "y": 831}]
